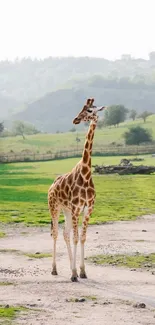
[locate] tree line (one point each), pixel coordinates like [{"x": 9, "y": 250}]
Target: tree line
[
  {"x": 116, "y": 114},
  {"x": 18, "y": 128}
]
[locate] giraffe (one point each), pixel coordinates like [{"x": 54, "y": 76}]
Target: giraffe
[{"x": 74, "y": 193}]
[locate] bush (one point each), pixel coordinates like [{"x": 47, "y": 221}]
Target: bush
[{"x": 137, "y": 135}]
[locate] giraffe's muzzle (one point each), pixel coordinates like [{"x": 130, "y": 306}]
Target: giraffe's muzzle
[{"x": 76, "y": 120}]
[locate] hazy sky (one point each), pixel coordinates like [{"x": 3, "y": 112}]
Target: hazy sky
[{"x": 102, "y": 28}]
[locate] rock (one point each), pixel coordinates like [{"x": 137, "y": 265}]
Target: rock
[
  {"x": 82, "y": 299},
  {"x": 125, "y": 167},
  {"x": 96, "y": 232},
  {"x": 32, "y": 305},
  {"x": 147, "y": 265},
  {"x": 76, "y": 300},
  {"x": 106, "y": 303},
  {"x": 7, "y": 306},
  {"x": 144, "y": 230},
  {"x": 37, "y": 253},
  {"x": 140, "y": 305}
]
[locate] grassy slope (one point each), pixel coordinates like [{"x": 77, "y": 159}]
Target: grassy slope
[
  {"x": 24, "y": 186},
  {"x": 66, "y": 141}
]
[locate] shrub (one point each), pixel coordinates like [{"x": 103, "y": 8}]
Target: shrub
[{"x": 136, "y": 135}]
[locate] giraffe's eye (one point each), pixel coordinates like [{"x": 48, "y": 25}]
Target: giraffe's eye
[{"x": 89, "y": 110}]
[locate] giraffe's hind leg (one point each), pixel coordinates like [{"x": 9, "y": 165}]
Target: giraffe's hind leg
[
  {"x": 54, "y": 234},
  {"x": 86, "y": 215},
  {"x": 67, "y": 229}
]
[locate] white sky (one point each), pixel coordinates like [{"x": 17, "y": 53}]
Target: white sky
[{"x": 101, "y": 28}]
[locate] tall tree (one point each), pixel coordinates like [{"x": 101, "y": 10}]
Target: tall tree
[
  {"x": 18, "y": 128},
  {"x": 133, "y": 114},
  {"x": 21, "y": 128},
  {"x": 115, "y": 114},
  {"x": 1, "y": 127},
  {"x": 144, "y": 115}
]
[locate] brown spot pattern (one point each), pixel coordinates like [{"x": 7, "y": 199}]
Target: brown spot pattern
[
  {"x": 88, "y": 175},
  {"x": 75, "y": 200},
  {"x": 69, "y": 195},
  {"x": 87, "y": 144},
  {"x": 58, "y": 187},
  {"x": 85, "y": 170},
  {"x": 90, "y": 192},
  {"x": 80, "y": 180},
  {"x": 89, "y": 135},
  {"x": 76, "y": 191},
  {"x": 63, "y": 195},
  {"x": 83, "y": 193},
  {"x": 89, "y": 162},
  {"x": 85, "y": 157},
  {"x": 76, "y": 175},
  {"x": 67, "y": 189},
  {"x": 91, "y": 183},
  {"x": 70, "y": 179},
  {"x": 63, "y": 184}
]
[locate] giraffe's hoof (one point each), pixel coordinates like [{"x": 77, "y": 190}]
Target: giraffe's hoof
[
  {"x": 83, "y": 275},
  {"x": 54, "y": 271},
  {"x": 74, "y": 279}
]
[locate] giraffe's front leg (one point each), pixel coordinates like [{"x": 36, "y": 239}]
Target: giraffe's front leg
[
  {"x": 75, "y": 219},
  {"x": 87, "y": 213}
]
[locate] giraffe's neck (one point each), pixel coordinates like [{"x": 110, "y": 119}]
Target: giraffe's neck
[{"x": 86, "y": 156}]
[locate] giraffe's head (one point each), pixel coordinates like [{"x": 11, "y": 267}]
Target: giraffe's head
[{"x": 88, "y": 112}]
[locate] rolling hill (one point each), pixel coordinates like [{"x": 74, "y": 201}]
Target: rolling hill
[
  {"x": 62, "y": 84},
  {"x": 56, "y": 110}
]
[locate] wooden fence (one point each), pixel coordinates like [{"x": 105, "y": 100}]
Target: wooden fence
[{"x": 97, "y": 151}]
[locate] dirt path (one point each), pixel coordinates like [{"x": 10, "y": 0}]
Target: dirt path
[{"x": 109, "y": 292}]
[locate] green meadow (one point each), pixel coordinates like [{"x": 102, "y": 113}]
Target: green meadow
[
  {"x": 67, "y": 141},
  {"x": 24, "y": 187}
]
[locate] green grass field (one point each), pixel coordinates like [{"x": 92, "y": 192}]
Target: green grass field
[
  {"x": 67, "y": 141},
  {"x": 24, "y": 186}
]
